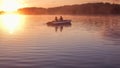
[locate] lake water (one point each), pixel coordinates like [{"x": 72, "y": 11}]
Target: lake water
[{"x": 90, "y": 42}]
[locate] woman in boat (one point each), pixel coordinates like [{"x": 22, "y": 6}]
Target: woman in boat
[{"x": 56, "y": 19}]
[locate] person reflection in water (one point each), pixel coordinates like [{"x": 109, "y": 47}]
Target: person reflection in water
[
  {"x": 57, "y": 27},
  {"x": 61, "y": 28}
]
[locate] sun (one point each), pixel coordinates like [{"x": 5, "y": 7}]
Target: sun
[
  {"x": 11, "y": 22},
  {"x": 10, "y": 5}
]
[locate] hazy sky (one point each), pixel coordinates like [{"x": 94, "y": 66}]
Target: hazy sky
[{"x": 53, "y": 3}]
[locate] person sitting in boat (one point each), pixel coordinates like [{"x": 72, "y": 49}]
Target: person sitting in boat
[
  {"x": 56, "y": 19},
  {"x": 61, "y": 18}
]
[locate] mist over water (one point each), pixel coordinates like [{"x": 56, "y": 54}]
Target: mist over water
[{"x": 90, "y": 42}]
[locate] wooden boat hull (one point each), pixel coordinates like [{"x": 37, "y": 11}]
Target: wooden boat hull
[{"x": 55, "y": 23}]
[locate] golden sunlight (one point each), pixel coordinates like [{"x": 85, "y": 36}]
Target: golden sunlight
[
  {"x": 11, "y": 22},
  {"x": 10, "y": 5}
]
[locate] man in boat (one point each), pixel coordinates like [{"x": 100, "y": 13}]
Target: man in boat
[{"x": 61, "y": 18}]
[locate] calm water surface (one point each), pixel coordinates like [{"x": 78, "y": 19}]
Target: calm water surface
[{"x": 90, "y": 42}]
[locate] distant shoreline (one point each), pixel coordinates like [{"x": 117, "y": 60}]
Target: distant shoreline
[{"x": 82, "y": 9}]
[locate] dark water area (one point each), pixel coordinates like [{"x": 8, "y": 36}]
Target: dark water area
[{"x": 90, "y": 42}]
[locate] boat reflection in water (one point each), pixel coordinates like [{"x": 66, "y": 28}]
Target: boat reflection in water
[{"x": 60, "y": 26}]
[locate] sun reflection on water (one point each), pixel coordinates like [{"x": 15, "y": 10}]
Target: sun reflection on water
[{"x": 11, "y": 22}]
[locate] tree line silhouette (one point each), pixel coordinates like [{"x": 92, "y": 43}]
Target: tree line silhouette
[{"x": 82, "y": 9}]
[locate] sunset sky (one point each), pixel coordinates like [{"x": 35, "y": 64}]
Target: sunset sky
[
  {"x": 49, "y": 3},
  {"x": 52, "y": 3}
]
